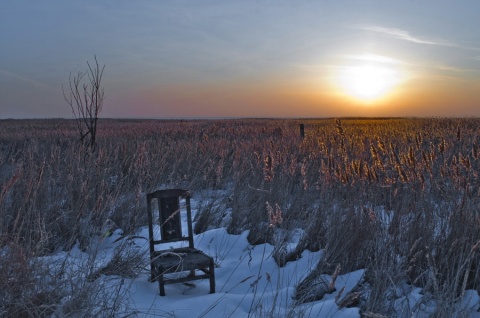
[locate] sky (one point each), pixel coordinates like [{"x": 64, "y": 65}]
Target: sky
[{"x": 250, "y": 58}]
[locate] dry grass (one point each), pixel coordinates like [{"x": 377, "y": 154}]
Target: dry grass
[{"x": 398, "y": 197}]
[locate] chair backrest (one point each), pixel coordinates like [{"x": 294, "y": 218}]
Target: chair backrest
[{"x": 169, "y": 216}]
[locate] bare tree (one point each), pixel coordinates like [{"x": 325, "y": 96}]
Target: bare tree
[{"x": 86, "y": 97}]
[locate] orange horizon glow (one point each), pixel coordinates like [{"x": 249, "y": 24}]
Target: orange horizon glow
[{"x": 416, "y": 95}]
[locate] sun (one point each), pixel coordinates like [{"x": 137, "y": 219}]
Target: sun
[{"x": 368, "y": 82}]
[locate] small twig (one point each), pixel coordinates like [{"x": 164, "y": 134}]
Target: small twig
[{"x": 257, "y": 189}]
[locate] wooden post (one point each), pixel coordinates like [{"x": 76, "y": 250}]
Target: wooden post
[{"x": 302, "y": 131}]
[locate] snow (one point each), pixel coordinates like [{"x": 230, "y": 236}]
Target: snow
[{"x": 248, "y": 281}]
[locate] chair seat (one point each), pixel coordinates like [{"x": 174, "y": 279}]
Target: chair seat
[{"x": 179, "y": 260}]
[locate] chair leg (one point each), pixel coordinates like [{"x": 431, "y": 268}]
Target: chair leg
[
  {"x": 153, "y": 274},
  {"x": 212, "y": 278},
  {"x": 161, "y": 285}
]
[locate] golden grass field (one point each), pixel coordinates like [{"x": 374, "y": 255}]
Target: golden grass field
[{"x": 399, "y": 197}]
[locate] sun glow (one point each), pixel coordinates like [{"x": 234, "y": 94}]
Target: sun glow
[{"x": 369, "y": 81}]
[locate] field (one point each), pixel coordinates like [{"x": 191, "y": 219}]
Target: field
[{"x": 397, "y": 198}]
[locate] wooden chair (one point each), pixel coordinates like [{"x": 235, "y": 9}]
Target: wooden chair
[{"x": 175, "y": 260}]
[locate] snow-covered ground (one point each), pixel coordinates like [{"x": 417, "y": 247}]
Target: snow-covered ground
[{"x": 248, "y": 281}]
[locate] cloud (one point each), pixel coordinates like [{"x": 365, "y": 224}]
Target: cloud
[
  {"x": 28, "y": 80},
  {"x": 406, "y": 36},
  {"x": 373, "y": 58},
  {"x": 454, "y": 70}
]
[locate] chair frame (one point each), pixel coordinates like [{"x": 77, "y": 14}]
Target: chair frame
[{"x": 175, "y": 260}]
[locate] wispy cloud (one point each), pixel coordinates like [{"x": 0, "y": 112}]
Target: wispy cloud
[
  {"x": 28, "y": 80},
  {"x": 406, "y": 36},
  {"x": 373, "y": 58},
  {"x": 454, "y": 69}
]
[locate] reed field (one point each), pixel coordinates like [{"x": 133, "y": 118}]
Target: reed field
[{"x": 397, "y": 197}]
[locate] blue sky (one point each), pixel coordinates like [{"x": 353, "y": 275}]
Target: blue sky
[{"x": 242, "y": 58}]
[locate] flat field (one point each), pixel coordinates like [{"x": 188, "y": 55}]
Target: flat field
[{"x": 398, "y": 198}]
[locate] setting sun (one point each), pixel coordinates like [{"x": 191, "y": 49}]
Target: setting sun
[{"x": 369, "y": 81}]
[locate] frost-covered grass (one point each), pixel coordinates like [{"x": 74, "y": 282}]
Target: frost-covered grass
[
  {"x": 249, "y": 283},
  {"x": 393, "y": 199}
]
